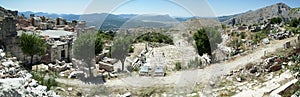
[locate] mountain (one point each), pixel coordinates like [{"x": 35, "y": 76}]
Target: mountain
[
  {"x": 225, "y": 18},
  {"x": 260, "y": 15},
  {"x": 68, "y": 17},
  {"x": 112, "y": 21}
]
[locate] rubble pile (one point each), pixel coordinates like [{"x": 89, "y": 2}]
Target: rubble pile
[
  {"x": 281, "y": 35},
  {"x": 16, "y": 82},
  {"x": 254, "y": 76}
]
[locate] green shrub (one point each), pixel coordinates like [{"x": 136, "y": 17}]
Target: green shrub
[
  {"x": 196, "y": 63},
  {"x": 178, "y": 66},
  {"x": 294, "y": 22},
  {"x": 206, "y": 40},
  {"x": 131, "y": 49},
  {"x": 276, "y": 20},
  {"x": 45, "y": 81},
  {"x": 154, "y": 37}
]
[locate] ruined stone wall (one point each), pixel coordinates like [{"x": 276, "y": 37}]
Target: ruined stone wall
[{"x": 56, "y": 52}]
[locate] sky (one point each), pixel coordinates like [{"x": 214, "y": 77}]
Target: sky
[{"x": 180, "y": 8}]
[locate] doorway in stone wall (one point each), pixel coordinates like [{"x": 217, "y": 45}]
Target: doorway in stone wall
[{"x": 63, "y": 55}]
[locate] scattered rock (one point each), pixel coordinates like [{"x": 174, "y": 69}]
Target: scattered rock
[
  {"x": 290, "y": 63},
  {"x": 253, "y": 70},
  {"x": 275, "y": 67},
  {"x": 239, "y": 79},
  {"x": 128, "y": 94},
  {"x": 257, "y": 74},
  {"x": 60, "y": 89},
  {"x": 211, "y": 83},
  {"x": 33, "y": 83},
  {"x": 8, "y": 63},
  {"x": 70, "y": 89},
  {"x": 74, "y": 74}
]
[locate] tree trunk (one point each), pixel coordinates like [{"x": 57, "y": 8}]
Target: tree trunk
[
  {"x": 122, "y": 61},
  {"x": 90, "y": 64},
  {"x": 90, "y": 71},
  {"x": 31, "y": 59}
]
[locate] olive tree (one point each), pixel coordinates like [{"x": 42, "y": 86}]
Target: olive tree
[{"x": 31, "y": 45}]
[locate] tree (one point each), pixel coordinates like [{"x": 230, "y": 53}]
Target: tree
[
  {"x": 202, "y": 42},
  {"x": 98, "y": 44},
  {"x": 84, "y": 50},
  {"x": 31, "y": 45},
  {"x": 121, "y": 47},
  {"x": 206, "y": 40}
]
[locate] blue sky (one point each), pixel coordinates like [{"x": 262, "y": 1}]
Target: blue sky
[{"x": 172, "y": 7}]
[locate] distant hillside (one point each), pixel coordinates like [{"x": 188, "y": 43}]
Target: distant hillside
[
  {"x": 260, "y": 15},
  {"x": 225, "y": 18},
  {"x": 111, "y": 21},
  {"x": 68, "y": 17}
]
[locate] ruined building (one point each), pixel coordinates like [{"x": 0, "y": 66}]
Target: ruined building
[{"x": 8, "y": 33}]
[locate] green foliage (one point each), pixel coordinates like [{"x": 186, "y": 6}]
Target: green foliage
[
  {"x": 294, "y": 22},
  {"x": 131, "y": 68},
  {"x": 131, "y": 49},
  {"x": 31, "y": 45},
  {"x": 150, "y": 91},
  {"x": 259, "y": 36},
  {"x": 106, "y": 36},
  {"x": 235, "y": 43},
  {"x": 84, "y": 47},
  {"x": 206, "y": 40},
  {"x": 202, "y": 42},
  {"x": 178, "y": 66},
  {"x": 243, "y": 35},
  {"x": 294, "y": 10},
  {"x": 295, "y": 58},
  {"x": 98, "y": 44},
  {"x": 223, "y": 26},
  {"x": 196, "y": 63},
  {"x": 294, "y": 30},
  {"x": 121, "y": 47},
  {"x": 40, "y": 77},
  {"x": 276, "y": 20},
  {"x": 154, "y": 37},
  {"x": 8, "y": 54}
]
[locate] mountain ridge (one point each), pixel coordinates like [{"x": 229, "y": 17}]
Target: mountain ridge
[{"x": 262, "y": 14}]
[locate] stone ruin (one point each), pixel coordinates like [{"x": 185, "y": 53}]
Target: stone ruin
[{"x": 17, "y": 82}]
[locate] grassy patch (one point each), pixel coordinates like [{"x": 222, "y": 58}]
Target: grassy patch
[{"x": 45, "y": 78}]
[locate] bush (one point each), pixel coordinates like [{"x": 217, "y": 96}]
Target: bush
[
  {"x": 294, "y": 22},
  {"x": 40, "y": 77},
  {"x": 154, "y": 37},
  {"x": 131, "y": 49},
  {"x": 196, "y": 63},
  {"x": 243, "y": 35},
  {"x": 206, "y": 40},
  {"x": 259, "y": 36},
  {"x": 178, "y": 66},
  {"x": 276, "y": 20}
]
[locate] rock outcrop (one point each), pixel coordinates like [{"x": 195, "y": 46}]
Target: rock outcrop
[{"x": 261, "y": 15}]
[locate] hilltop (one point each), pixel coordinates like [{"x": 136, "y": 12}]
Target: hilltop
[{"x": 261, "y": 15}]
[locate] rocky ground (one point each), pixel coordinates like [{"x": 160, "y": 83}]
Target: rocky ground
[
  {"x": 18, "y": 82},
  {"x": 204, "y": 76}
]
